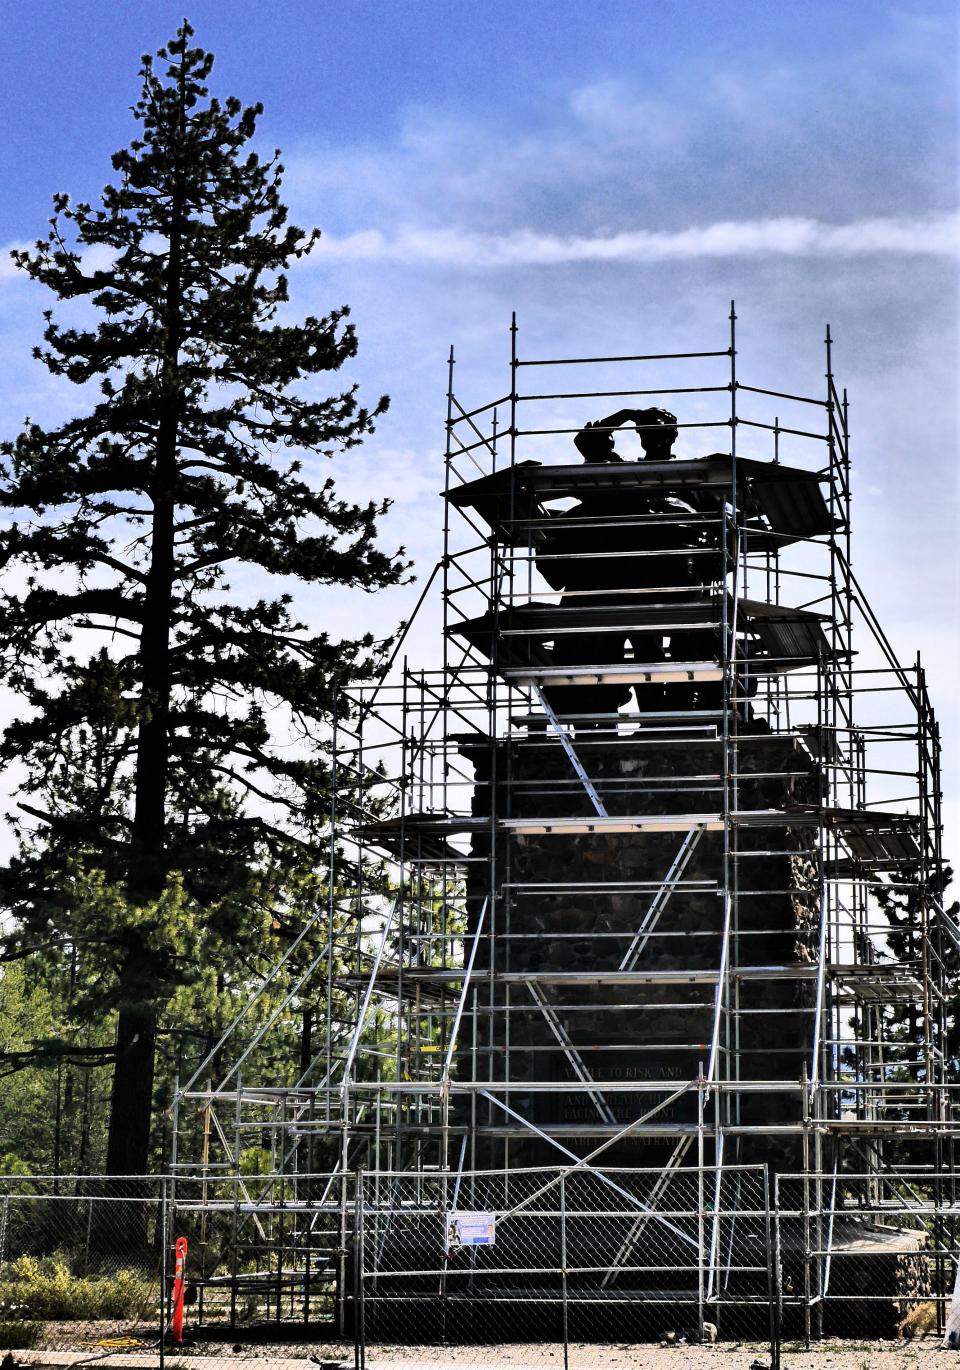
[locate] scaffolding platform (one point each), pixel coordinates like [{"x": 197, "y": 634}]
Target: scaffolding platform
[{"x": 782, "y": 638}]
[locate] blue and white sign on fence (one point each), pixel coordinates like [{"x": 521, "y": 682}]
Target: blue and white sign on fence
[{"x": 471, "y": 1229}]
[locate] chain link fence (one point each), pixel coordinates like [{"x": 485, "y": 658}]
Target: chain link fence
[
  {"x": 81, "y": 1264},
  {"x": 574, "y": 1266},
  {"x": 559, "y": 1263},
  {"x": 89, "y": 1271}
]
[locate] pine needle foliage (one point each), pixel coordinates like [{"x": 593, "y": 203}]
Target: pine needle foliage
[{"x": 152, "y": 692}]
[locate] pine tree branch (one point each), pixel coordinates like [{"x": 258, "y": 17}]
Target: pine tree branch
[
  {"x": 15, "y": 1061},
  {"x": 49, "y": 606}
]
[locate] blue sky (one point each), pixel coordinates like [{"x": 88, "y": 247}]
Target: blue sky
[
  {"x": 770, "y": 105},
  {"x": 616, "y": 174}
]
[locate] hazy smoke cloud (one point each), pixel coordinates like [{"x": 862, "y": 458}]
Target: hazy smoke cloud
[{"x": 938, "y": 235}]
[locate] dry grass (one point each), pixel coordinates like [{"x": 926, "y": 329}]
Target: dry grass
[{"x": 920, "y": 1321}]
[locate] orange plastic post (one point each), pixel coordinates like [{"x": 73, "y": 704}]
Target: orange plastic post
[{"x": 179, "y": 1284}]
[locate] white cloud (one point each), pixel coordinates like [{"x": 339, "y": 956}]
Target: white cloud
[
  {"x": 937, "y": 235},
  {"x": 612, "y": 113},
  {"x": 378, "y": 472}
]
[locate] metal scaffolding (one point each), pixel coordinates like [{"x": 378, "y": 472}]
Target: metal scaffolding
[{"x": 700, "y": 932}]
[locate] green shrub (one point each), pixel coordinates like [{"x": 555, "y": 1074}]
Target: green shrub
[
  {"x": 17, "y": 1336},
  {"x": 16, "y": 1332},
  {"x": 47, "y": 1289}
]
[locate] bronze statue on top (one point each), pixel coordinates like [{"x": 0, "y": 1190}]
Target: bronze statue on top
[
  {"x": 626, "y": 548},
  {"x": 656, "y": 428}
]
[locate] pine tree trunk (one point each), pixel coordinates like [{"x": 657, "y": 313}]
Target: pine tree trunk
[
  {"x": 131, "y": 1103},
  {"x": 69, "y": 1119},
  {"x": 131, "y": 1100},
  {"x": 131, "y": 1097},
  {"x": 83, "y": 1144}
]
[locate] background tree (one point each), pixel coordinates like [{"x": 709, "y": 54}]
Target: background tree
[{"x": 164, "y": 816}]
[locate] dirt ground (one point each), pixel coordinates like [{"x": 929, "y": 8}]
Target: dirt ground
[
  {"x": 831, "y": 1355},
  {"x": 828, "y": 1355}
]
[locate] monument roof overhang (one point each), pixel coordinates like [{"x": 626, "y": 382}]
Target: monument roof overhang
[{"x": 789, "y": 498}]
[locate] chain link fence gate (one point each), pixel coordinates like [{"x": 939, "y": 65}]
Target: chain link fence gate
[
  {"x": 569, "y": 1267},
  {"x": 866, "y": 1256},
  {"x": 269, "y": 1270}
]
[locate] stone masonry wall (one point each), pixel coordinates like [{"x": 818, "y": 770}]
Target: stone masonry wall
[{"x": 644, "y": 1032}]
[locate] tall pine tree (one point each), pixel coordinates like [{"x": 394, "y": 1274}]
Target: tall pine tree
[{"x": 152, "y": 693}]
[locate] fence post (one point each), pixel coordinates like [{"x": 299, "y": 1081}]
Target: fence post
[
  {"x": 4, "y": 1220},
  {"x": 563, "y": 1269},
  {"x": 701, "y": 1225},
  {"x": 164, "y": 1244},
  {"x": 359, "y": 1308},
  {"x": 86, "y": 1248},
  {"x": 773, "y": 1271}
]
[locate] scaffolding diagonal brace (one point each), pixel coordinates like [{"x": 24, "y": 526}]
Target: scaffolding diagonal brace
[
  {"x": 584, "y": 1164},
  {"x": 637, "y": 1230},
  {"x": 368, "y": 995},
  {"x": 454, "y": 1031},
  {"x": 567, "y": 746},
  {"x": 659, "y": 901},
  {"x": 570, "y": 1051}
]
